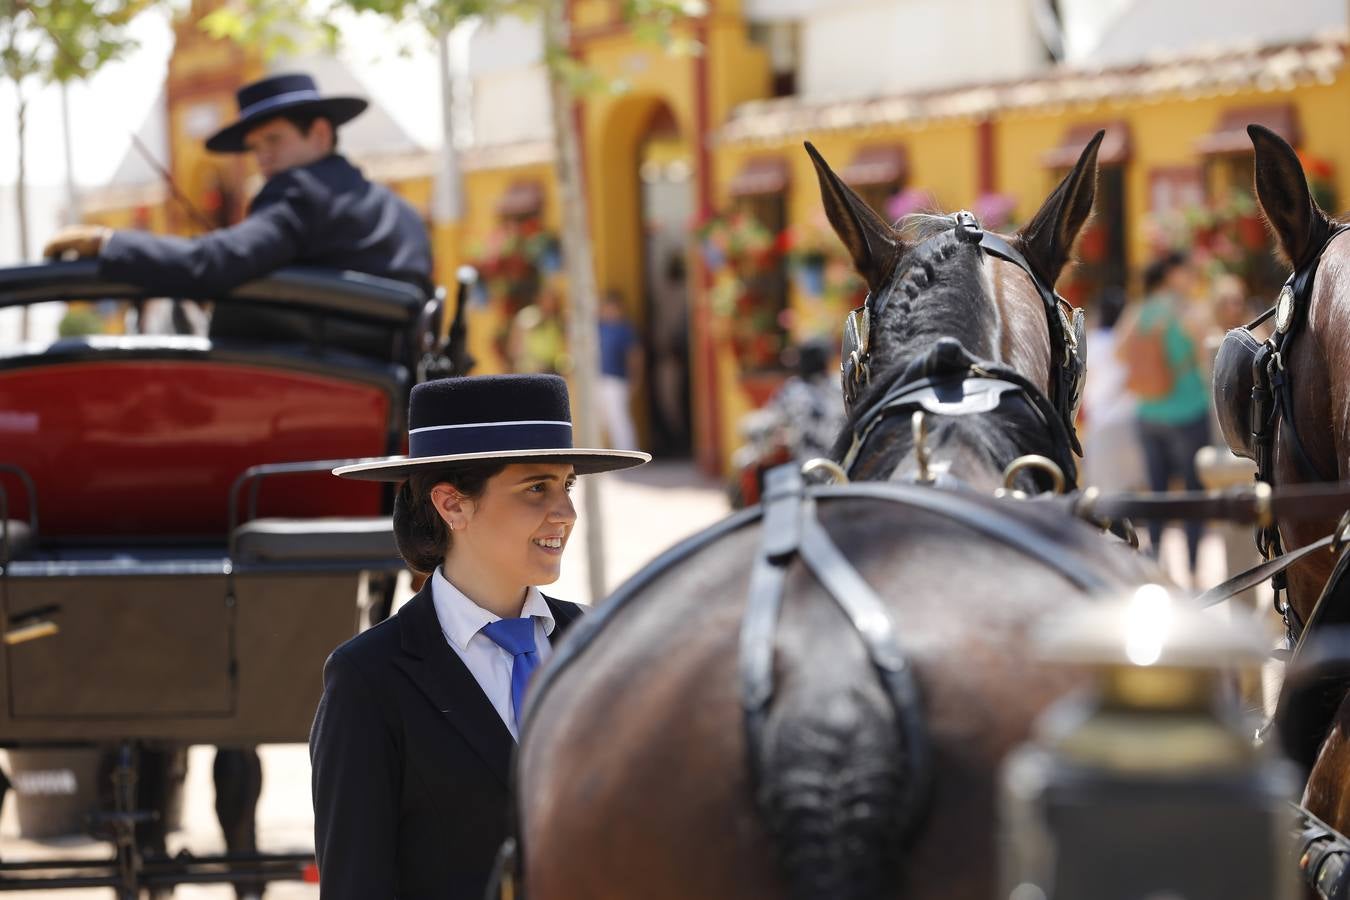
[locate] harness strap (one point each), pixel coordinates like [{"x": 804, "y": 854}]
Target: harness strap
[
  {"x": 790, "y": 511},
  {"x": 1254, "y": 505},
  {"x": 778, "y": 546},
  {"x": 1282, "y": 383},
  {"x": 1259, "y": 573},
  {"x": 1298, "y": 631}
]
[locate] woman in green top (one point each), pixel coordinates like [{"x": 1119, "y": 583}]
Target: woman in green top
[{"x": 1173, "y": 425}]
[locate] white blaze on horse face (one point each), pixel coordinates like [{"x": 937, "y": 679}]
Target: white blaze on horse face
[{"x": 995, "y": 295}]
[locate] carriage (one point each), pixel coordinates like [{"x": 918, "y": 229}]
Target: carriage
[{"x": 175, "y": 563}]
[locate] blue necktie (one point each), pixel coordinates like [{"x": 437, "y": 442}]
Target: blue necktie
[{"x": 516, "y": 636}]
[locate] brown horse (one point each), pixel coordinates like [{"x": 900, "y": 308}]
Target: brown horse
[
  {"x": 1319, "y": 364},
  {"x": 635, "y": 774}
]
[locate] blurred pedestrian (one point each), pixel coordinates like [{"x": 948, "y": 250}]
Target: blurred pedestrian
[
  {"x": 810, "y": 404},
  {"x": 1112, "y": 457},
  {"x": 1162, "y": 346},
  {"x": 620, "y": 368}
]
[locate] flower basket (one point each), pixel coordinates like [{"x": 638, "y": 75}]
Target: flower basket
[
  {"x": 512, "y": 260},
  {"x": 1227, "y": 236},
  {"x": 738, "y": 241}
]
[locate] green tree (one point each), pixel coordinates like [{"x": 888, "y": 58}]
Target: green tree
[
  {"x": 283, "y": 26},
  {"x": 57, "y": 41}
]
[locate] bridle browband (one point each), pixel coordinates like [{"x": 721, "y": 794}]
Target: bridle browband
[{"x": 1067, "y": 350}]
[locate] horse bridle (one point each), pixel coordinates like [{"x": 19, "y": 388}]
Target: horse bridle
[
  {"x": 1068, "y": 350},
  {"x": 1251, "y": 424}
]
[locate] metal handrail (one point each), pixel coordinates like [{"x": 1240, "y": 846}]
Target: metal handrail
[
  {"x": 256, "y": 474},
  {"x": 337, "y": 291}
]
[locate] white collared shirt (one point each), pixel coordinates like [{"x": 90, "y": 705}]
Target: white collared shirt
[{"x": 462, "y": 623}]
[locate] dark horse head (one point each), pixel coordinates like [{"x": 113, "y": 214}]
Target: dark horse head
[
  {"x": 1312, "y": 442},
  {"x": 1317, "y": 360},
  {"x": 944, "y": 297}
]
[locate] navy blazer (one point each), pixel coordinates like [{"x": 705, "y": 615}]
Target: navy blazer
[
  {"x": 324, "y": 214},
  {"x": 411, "y": 765}
]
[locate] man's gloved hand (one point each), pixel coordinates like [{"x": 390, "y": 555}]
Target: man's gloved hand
[{"x": 81, "y": 241}]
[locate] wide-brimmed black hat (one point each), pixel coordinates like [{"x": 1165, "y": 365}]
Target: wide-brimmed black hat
[
  {"x": 270, "y": 97},
  {"x": 488, "y": 418}
]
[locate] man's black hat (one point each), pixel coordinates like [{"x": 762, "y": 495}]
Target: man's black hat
[
  {"x": 491, "y": 418},
  {"x": 277, "y": 94}
]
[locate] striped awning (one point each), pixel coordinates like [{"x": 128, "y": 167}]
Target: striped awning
[{"x": 1230, "y": 135}]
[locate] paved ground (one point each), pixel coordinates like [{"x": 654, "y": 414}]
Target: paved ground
[{"x": 646, "y": 510}]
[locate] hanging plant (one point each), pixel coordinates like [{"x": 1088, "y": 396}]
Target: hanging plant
[
  {"x": 738, "y": 241},
  {"x": 1321, "y": 180},
  {"x": 1227, "y": 236},
  {"x": 512, "y": 259},
  {"x": 809, "y": 246}
]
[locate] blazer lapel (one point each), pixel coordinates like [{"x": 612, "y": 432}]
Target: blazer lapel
[
  {"x": 564, "y": 614},
  {"x": 441, "y": 675}
]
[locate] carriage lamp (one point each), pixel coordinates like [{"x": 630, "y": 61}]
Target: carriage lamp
[{"x": 1146, "y": 784}]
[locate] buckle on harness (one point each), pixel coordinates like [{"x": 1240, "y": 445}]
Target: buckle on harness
[{"x": 1342, "y": 534}]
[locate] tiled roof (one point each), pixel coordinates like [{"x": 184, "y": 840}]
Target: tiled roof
[{"x": 1271, "y": 68}]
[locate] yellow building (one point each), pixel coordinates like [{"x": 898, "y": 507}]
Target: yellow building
[{"x": 695, "y": 138}]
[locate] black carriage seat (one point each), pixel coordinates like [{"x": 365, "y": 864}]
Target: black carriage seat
[
  {"x": 324, "y": 539},
  {"x": 348, "y": 311},
  {"x": 19, "y": 543}
]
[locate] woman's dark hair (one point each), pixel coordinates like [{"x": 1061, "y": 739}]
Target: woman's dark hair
[
  {"x": 419, "y": 531},
  {"x": 1158, "y": 270}
]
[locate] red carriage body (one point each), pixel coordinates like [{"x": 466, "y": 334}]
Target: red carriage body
[{"x": 171, "y": 567}]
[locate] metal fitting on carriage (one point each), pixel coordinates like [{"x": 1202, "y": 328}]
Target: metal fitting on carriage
[{"x": 1149, "y": 767}]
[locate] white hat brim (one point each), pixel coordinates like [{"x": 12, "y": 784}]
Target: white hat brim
[{"x": 584, "y": 462}]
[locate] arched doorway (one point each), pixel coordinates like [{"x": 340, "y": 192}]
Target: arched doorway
[{"x": 666, "y": 208}]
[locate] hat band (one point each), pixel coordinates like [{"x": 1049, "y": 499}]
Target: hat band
[
  {"x": 487, "y": 437},
  {"x": 278, "y": 100}
]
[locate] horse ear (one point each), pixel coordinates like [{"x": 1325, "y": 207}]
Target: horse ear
[
  {"x": 1282, "y": 190},
  {"x": 874, "y": 245},
  {"x": 1047, "y": 239}
]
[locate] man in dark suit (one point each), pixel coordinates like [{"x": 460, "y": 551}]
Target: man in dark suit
[{"x": 316, "y": 208}]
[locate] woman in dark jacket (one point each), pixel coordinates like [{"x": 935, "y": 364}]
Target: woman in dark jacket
[{"x": 413, "y": 737}]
